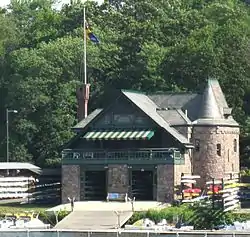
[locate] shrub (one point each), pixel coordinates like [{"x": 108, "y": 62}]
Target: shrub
[
  {"x": 207, "y": 217},
  {"x": 171, "y": 214},
  {"x": 200, "y": 215},
  {"x": 50, "y": 217}
]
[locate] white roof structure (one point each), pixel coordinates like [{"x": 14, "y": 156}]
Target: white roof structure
[{"x": 19, "y": 166}]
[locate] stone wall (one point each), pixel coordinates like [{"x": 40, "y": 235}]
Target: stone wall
[
  {"x": 185, "y": 168},
  {"x": 70, "y": 182},
  {"x": 165, "y": 183},
  {"x": 207, "y": 162},
  {"x": 118, "y": 178},
  {"x": 232, "y": 161}
]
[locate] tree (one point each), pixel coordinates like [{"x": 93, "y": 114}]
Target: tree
[
  {"x": 42, "y": 87},
  {"x": 36, "y": 21},
  {"x": 147, "y": 45},
  {"x": 8, "y": 41}
]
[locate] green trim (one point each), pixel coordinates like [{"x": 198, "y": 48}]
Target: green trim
[
  {"x": 150, "y": 135},
  {"x": 119, "y": 135},
  {"x": 129, "y": 157},
  {"x": 120, "y": 162}
]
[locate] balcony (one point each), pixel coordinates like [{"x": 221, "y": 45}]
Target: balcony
[{"x": 129, "y": 156}]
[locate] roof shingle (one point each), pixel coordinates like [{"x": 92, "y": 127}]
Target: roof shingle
[
  {"x": 143, "y": 102},
  {"x": 83, "y": 123}
]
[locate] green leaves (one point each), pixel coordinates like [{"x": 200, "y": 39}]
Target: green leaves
[
  {"x": 145, "y": 45},
  {"x": 43, "y": 90}
]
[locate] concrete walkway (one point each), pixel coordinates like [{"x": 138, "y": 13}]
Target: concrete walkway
[
  {"x": 92, "y": 215},
  {"x": 110, "y": 206},
  {"x": 93, "y": 220}
]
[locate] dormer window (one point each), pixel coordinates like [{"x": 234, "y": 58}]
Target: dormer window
[{"x": 227, "y": 112}]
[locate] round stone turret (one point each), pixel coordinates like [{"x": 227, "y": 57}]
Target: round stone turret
[{"x": 215, "y": 137}]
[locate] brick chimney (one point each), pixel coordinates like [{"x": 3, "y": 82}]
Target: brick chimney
[{"x": 82, "y": 95}]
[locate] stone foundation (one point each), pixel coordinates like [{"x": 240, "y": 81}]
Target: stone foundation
[
  {"x": 165, "y": 183},
  {"x": 118, "y": 179},
  {"x": 185, "y": 169},
  {"x": 70, "y": 182}
]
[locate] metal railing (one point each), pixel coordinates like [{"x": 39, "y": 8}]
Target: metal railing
[
  {"x": 130, "y": 155},
  {"x": 121, "y": 233}
]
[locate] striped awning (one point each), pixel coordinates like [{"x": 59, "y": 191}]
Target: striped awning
[{"x": 119, "y": 135}]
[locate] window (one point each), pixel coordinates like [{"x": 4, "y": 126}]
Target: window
[
  {"x": 218, "y": 148},
  {"x": 235, "y": 145},
  {"x": 197, "y": 145}
]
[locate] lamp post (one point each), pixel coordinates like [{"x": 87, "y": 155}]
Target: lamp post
[{"x": 7, "y": 131}]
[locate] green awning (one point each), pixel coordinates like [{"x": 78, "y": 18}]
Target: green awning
[{"x": 119, "y": 135}]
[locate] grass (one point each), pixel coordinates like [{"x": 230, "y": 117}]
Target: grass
[{"x": 14, "y": 207}]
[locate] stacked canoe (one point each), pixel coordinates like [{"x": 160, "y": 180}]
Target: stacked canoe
[
  {"x": 225, "y": 192},
  {"x": 188, "y": 188},
  {"x": 15, "y": 187}
]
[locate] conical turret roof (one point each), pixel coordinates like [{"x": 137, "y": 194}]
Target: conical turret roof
[{"x": 209, "y": 106}]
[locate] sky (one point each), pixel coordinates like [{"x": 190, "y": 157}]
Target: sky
[{"x": 6, "y": 2}]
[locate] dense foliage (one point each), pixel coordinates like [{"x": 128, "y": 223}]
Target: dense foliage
[{"x": 148, "y": 45}]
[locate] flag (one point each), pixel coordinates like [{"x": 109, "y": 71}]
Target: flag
[{"x": 90, "y": 35}]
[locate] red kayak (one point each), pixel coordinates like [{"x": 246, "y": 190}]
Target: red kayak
[
  {"x": 216, "y": 188},
  {"x": 192, "y": 190}
]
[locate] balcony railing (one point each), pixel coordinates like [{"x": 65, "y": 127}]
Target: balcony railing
[{"x": 129, "y": 156}]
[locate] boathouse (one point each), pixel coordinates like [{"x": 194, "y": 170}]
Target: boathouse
[{"x": 141, "y": 144}]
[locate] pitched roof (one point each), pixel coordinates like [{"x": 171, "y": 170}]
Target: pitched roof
[
  {"x": 172, "y": 100},
  {"x": 83, "y": 123},
  {"x": 174, "y": 116},
  {"x": 144, "y": 103},
  {"x": 197, "y": 106},
  {"x": 181, "y": 100},
  {"x": 184, "y": 101},
  {"x": 209, "y": 108},
  {"x": 19, "y": 166}
]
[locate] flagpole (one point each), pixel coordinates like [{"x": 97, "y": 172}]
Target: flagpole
[
  {"x": 86, "y": 85},
  {"x": 83, "y": 91},
  {"x": 85, "y": 46}
]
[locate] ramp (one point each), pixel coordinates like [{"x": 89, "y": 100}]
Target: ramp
[
  {"x": 89, "y": 215},
  {"x": 90, "y": 220}
]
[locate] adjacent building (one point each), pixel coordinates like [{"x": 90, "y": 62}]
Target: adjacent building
[{"x": 141, "y": 144}]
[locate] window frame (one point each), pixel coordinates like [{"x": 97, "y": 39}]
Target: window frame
[
  {"x": 197, "y": 145},
  {"x": 218, "y": 149},
  {"x": 235, "y": 145}
]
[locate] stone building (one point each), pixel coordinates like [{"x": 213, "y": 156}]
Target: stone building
[{"x": 141, "y": 143}]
